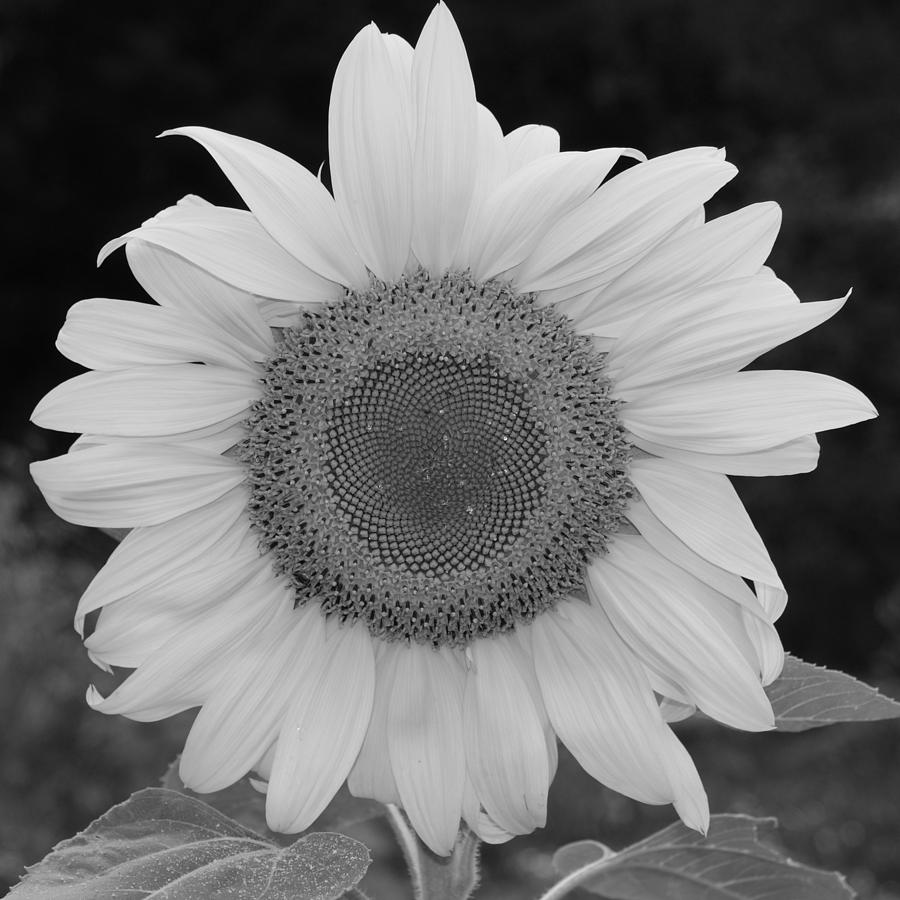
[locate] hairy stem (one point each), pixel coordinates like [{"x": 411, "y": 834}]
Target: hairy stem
[{"x": 452, "y": 877}]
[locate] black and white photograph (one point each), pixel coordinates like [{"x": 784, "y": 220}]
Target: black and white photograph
[{"x": 450, "y": 450}]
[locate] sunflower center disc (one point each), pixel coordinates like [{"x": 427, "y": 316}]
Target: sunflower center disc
[
  {"x": 437, "y": 458},
  {"x": 435, "y": 462}
]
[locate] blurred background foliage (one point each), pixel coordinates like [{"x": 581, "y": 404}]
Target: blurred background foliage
[{"x": 805, "y": 97}]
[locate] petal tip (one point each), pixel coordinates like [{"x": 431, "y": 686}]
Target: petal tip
[
  {"x": 93, "y": 697},
  {"x": 693, "y": 810},
  {"x": 100, "y": 663},
  {"x": 107, "y": 249},
  {"x": 259, "y": 785},
  {"x": 279, "y": 818}
]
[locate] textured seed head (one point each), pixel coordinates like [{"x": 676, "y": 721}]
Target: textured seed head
[{"x": 437, "y": 458}]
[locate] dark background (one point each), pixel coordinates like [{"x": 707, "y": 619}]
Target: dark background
[{"x": 805, "y": 97}]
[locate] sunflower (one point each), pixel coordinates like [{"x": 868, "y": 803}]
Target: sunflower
[{"x": 426, "y": 474}]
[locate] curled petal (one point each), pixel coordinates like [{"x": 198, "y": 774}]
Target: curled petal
[
  {"x": 290, "y": 203},
  {"x": 231, "y": 245}
]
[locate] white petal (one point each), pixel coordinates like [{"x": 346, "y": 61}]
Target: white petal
[
  {"x": 124, "y": 486},
  {"x": 530, "y": 201},
  {"x": 696, "y": 218},
  {"x": 692, "y": 342},
  {"x": 680, "y": 628},
  {"x": 719, "y": 297},
  {"x": 743, "y": 412},
  {"x": 490, "y": 170},
  {"x": 243, "y": 715},
  {"x": 763, "y": 289},
  {"x": 231, "y": 245},
  {"x": 675, "y": 711},
  {"x": 444, "y": 163},
  {"x": 578, "y": 300},
  {"x": 183, "y": 672},
  {"x": 117, "y": 334},
  {"x": 756, "y": 615},
  {"x": 372, "y": 775},
  {"x": 528, "y": 143},
  {"x": 767, "y": 644},
  {"x": 790, "y": 458},
  {"x": 602, "y": 706},
  {"x": 176, "y": 283},
  {"x": 369, "y": 124},
  {"x": 289, "y": 202},
  {"x": 280, "y": 313},
  {"x": 690, "y": 800},
  {"x": 425, "y": 742},
  {"x": 506, "y": 749},
  {"x": 217, "y": 438},
  {"x": 132, "y": 628},
  {"x": 263, "y": 768},
  {"x": 773, "y": 599},
  {"x": 148, "y": 400},
  {"x": 620, "y": 221},
  {"x": 668, "y": 689},
  {"x": 147, "y": 556},
  {"x": 731, "y": 246},
  {"x": 664, "y": 540},
  {"x": 401, "y": 55},
  {"x": 323, "y": 729},
  {"x": 704, "y": 510},
  {"x": 479, "y": 821},
  {"x": 522, "y": 636}
]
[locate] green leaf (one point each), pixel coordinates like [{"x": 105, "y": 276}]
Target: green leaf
[
  {"x": 241, "y": 801},
  {"x": 808, "y": 696},
  {"x": 734, "y": 862},
  {"x": 580, "y": 854},
  {"x": 163, "y": 845}
]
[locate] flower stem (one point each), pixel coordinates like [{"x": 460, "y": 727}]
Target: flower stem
[{"x": 434, "y": 877}]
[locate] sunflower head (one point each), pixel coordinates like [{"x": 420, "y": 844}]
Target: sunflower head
[
  {"x": 437, "y": 458},
  {"x": 427, "y": 474}
]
